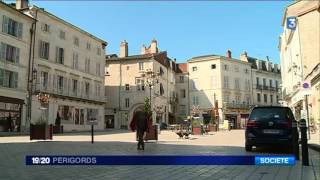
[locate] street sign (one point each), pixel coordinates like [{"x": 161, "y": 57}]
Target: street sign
[
  {"x": 291, "y": 23},
  {"x": 94, "y": 122}
]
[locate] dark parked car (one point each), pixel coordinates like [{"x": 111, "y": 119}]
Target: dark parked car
[
  {"x": 163, "y": 126},
  {"x": 270, "y": 125}
]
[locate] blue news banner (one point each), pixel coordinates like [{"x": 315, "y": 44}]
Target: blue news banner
[{"x": 160, "y": 160}]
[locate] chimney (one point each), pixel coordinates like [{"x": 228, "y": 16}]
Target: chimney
[
  {"x": 244, "y": 56},
  {"x": 123, "y": 49},
  {"x": 229, "y": 54},
  {"x": 22, "y": 4},
  {"x": 153, "y": 47},
  {"x": 143, "y": 49}
]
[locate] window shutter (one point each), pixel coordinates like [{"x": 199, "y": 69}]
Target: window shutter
[
  {"x": 57, "y": 54},
  {"x": 40, "y": 49},
  {"x": 70, "y": 86},
  {"x": 54, "y": 85},
  {"x": 62, "y": 56},
  {"x": 17, "y": 55},
  {"x": 49, "y": 81},
  {"x": 20, "y": 30},
  {"x": 65, "y": 85},
  {"x": 3, "y": 51},
  {"x": 5, "y": 22},
  {"x": 15, "y": 80},
  {"x": 6, "y": 78}
]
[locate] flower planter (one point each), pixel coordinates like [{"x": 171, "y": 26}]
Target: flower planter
[
  {"x": 42, "y": 131},
  {"x": 57, "y": 129},
  {"x": 196, "y": 130},
  {"x": 212, "y": 128},
  {"x": 152, "y": 134}
]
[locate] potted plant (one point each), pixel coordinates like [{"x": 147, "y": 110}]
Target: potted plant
[
  {"x": 41, "y": 130},
  {"x": 58, "y": 128},
  {"x": 213, "y": 125},
  {"x": 196, "y": 127}
]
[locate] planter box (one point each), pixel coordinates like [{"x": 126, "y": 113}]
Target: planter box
[
  {"x": 212, "y": 128},
  {"x": 41, "y": 131},
  {"x": 152, "y": 134},
  {"x": 57, "y": 129},
  {"x": 196, "y": 130}
]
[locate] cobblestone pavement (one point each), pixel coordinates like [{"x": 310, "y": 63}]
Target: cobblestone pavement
[{"x": 14, "y": 149}]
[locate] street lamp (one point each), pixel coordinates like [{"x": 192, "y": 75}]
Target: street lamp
[{"x": 150, "y": 79}]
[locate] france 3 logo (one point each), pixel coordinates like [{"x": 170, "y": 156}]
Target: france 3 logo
[{"x": 291, "y": 23}]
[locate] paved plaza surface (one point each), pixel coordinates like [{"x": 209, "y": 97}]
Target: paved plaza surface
[{"x": 120, "y": 142}]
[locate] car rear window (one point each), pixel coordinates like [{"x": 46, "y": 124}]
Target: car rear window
[{"x": 280, "y": 114}]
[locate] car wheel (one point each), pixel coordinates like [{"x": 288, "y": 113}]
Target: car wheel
[{"x": 248, "y": 148}]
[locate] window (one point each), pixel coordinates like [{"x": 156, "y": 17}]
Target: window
[
  {"x": 265, "y": 98},
  {"x": 97, "y": 89},
  {"x": 74, "y": 86},
  {"x": 141, "y": 66},
  {"x": 181, "y": 79},
  {"x": 60, "y": 83},
  {"x": 248, "y": 99},
  {"x": 45, "y": 27},
  {"x": 264, "y": 82},
  {"x": 44, "y": 50},
  {"x": 161, "y": 89},
  {"x": 276, "y": 85},
  {"x": 140, "y": 85},
  {"x": 98, "y": 51},
  {"x": 226, "y": 82},
  {"x": 238, "y": 99},
  {"x": 128, "y": 67},
  {"x": 98, "y": 69},
  {"x": 257, "y": 80},
  {"x": 183, "y": 93},
  {"x": 247, "y": 84},
  {"x": 75, "y": 61},
  {"x": 87, "y": 88},
  {"x": 62, "y": 34},
  {"x": 127, "y": 87},
  {"x": 195, "y": 100},
  {"x": 183, "y": 110},
  {"x": 195, "y": 84},
  {"x": 12, "y": 27},
  {"x": 127, "y": 101},
  {"x": 246, "y": 71},
  {"x": 9, "y": 53},
  {"x": 237, "y": 83},
  {"x": 277, "y": 99},
  {"x": 76, "y": 41},
  {"x": 87, "y": 65},
  {"x": 88, "y": 46},
  {"x": 258, "y": 97},
  {"x": 271, "y": 98},
  {"x": 194, "y": 68},
  {"x": 213, "y": 66},
  {"x": 44, "y": 79},
  {"x": 226, "y": 67},
  {"x": 59, "y": 55},
  {"x": 8, "y": 79},
  {"x": 270, "y": 82}
]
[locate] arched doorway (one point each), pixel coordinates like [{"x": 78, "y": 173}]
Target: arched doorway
[{"x": 134, "y": 108}]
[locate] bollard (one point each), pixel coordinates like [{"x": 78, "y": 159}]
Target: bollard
[
  {"x": 92, "y": 134},
  {"x": 304, "y": 142},
  {"x": 295, "y": 139}
]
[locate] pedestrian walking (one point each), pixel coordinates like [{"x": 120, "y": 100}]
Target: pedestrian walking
[
  {"x": 10, "y": 123},
  {"x": 139, "y": 123}
]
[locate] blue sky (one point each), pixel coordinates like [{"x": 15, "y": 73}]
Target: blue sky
[{"x": 183, "y": 29}]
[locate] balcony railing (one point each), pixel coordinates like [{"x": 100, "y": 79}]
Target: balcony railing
[
  {"x": 265, "y": 87},
  {"x": 68, "y": 92},
  {"x": 259, "y": 86}
]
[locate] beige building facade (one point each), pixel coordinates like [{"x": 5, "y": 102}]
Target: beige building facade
[
  {"x": 300, "y": 59},
  {"x": 265, "y": 80},
  {"x": 228, "y": 85},
  {"x": 182, "y": 91},
  {"x": 14, "y": 57},
  {"x": 126, "y": 85},
  {"x": 68, "y": 65}
]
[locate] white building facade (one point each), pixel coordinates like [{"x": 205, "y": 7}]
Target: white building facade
[
  {"x": 68, "y": 64},
  {"x": 14, "y": 57}
]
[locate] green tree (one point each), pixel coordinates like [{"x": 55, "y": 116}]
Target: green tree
[{"x": 147, "y": 107}]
